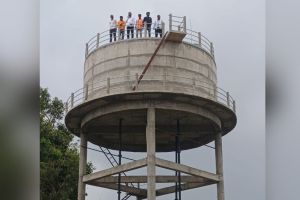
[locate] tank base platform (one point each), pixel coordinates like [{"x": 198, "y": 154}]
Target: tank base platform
[{"x": 199, "y": 120}]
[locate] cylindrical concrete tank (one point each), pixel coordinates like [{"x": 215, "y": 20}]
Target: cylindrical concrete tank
[{"x": 181, "y": 84}]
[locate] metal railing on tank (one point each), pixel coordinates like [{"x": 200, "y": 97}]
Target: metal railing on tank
[
  {"x": 175, "y": 23},
  {"x": 124, "y": 84}
]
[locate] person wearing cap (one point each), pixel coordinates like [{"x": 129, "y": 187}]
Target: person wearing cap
[
  {"x": 112, "y": 28},
  {"x": 158, "y": 26},
  {"x": 139, "y": 25},
  {"x": 130, "y": 22},
  {"x": 148, "y": 21},
  {"x": 121, "y": 26}
]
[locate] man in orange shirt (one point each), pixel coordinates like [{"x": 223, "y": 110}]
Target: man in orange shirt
[
  {"x": 139, "y": 25},
  {"x": 121, "y": 26}
]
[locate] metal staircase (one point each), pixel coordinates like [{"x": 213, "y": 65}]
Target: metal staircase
[{"x": 112, "y": 160}]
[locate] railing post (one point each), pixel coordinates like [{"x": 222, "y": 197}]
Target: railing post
[
  {"x": 170, "y": 22},
  {"x": 184, "y": 24},
  {"x": 163, "y": 28},
  {"x": 227, "y": 97},
  {"x": 86, "y": 49},
  {"x": 164, "y": 78},
  {"x": 66, "y": 108},
  {"x": 145, "y": 30},
  {"x": 108, "y": 85},
  {"x": 72, "y": 100},
  {"x": 136, "y": 80},
  {"x": 128, "y": 79},
  {"x": 215, "y": 91},
  {"x": 233, "y": 106},
  {"x": 212, "y": 49},
  {"x": 86, "y": 92},
  {"x": 200, "y": 39},
  {"x": 98, "y": 39}
]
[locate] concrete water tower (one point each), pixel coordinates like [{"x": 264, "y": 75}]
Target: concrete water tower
[{"x": 151, "y": 95}]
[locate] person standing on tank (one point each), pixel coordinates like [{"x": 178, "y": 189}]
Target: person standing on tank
[
  {"x": 158, "y": 26},
  {"x": 112, "y": 28},
  {"x": 139, "y": 25},
  {"x": 121, "y": 26},
  {"x": 148, "y": 21},
  {"x": 130, "y": 22}
]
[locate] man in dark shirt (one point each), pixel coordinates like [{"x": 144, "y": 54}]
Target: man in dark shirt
[{"x": 148, "y": 21}]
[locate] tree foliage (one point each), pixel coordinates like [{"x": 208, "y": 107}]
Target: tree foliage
[{"x": 59, "y": 156}]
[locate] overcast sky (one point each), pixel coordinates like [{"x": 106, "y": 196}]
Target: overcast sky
[{"x": 237, "y": 29}]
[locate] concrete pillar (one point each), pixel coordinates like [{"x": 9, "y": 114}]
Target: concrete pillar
[
  {"x": 219, "y": 166},
  {"x": 150, "y": 137},
  {"x": 82, "y": 166}
]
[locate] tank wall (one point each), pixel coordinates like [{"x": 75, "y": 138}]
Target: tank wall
[{"x": 174, "y": 63}]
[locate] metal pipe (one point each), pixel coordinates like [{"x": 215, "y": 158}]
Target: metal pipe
[
  {"x": 176, "y": 173},
  {"x": 120, "y": 158},
  {"x": 178, "y": 158}
]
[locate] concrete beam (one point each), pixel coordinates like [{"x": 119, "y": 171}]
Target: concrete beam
[
  {"x": 186, "y": 186},
  {"x": 170, "y": 129},
  {"x": 115, "y": 170},
  {"x": 186, "y": 169},
  {"x": 143, "y": 179},
  {"x": 132, "y": 190}
]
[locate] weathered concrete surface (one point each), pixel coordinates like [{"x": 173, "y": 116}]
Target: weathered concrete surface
[{"x": 130, "y": 57}]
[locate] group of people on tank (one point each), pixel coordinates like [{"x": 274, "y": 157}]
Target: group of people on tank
[{"x": 132, "y": 24}]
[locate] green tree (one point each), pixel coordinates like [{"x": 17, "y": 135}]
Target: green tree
[{"x": 59, "y": 156}]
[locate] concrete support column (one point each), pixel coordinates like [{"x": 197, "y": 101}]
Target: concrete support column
[
  {"x": 150, "y": 137},
  {"x": 219, "y": 166},
  {"x": 82, "y": 166}
]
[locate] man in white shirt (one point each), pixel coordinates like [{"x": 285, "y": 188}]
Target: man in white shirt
[
  {"x": 158, "y": 26},
  {"x": 130, "y": 22},
  {"x": 112, "y": 28}
]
